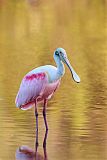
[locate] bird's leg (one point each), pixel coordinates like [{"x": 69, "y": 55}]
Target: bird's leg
[
  {"x": 45, "y": 139},
  {"x": 44, "y": 145},
  {"x": 44, "y": 113},
  {"x": 36, "y": 115},
  {"x": 36, "y": 148}
]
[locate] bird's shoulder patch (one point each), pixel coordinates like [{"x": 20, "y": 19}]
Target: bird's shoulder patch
[{"x": 35, "y": 76}]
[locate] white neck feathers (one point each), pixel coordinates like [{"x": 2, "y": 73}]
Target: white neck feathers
[{"x": 60, "y": 67}]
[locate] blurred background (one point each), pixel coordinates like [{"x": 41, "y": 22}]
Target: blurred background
[{"x": 30, "y": 31}]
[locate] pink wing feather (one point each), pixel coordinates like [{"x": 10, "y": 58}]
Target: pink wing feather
[{"x": 30, "y": 88}]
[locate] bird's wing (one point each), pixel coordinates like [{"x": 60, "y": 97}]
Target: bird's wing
[{"x": 31, "y": 87}]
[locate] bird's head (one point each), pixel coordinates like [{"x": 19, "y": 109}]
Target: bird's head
[{"x": 60, "y": 54}]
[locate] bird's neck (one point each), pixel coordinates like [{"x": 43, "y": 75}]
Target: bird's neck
[{"x": 60, "y": 68}]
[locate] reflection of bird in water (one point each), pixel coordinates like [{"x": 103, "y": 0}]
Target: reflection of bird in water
[
  {"x": 40, "y": 84},
  {"x": 26, "y": 153}
]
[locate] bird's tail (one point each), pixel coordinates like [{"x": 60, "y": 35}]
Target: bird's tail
[
  {"x": 19, "y": 101},
  {"x": 27, "y": 106}
]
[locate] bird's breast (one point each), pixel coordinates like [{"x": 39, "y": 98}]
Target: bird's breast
[{"x": 49, "y": 89}]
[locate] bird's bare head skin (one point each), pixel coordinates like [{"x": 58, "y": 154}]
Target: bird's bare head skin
[{"x": 61, "y": 54}]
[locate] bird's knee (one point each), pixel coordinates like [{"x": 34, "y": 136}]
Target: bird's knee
[
  {"x": 36, "y": 114},
  {"x": 44, "y": 113}
]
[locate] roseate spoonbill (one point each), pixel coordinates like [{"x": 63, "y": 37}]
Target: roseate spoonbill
[{"x": 39, "y": 84}]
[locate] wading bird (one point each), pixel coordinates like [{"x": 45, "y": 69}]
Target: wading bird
[{"x": 40, "y": 84}]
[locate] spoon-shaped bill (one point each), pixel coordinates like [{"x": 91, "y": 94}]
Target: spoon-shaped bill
[{"x": 74, "y": 74}]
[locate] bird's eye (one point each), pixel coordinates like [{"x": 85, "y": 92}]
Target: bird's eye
[
  {"x": 56, "y": 53},
  {"x": 60, "y": 52}
]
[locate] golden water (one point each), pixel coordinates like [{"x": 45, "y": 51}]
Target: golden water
[{"x": 30, "y": 30}]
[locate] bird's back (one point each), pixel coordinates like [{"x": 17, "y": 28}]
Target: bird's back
[{"x": 49, "y": 69}]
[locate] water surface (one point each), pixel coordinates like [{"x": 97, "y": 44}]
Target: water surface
[{"x": 30, "y": 30}]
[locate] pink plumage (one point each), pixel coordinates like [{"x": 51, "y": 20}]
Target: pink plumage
[{"x": 34, "y": 86}]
